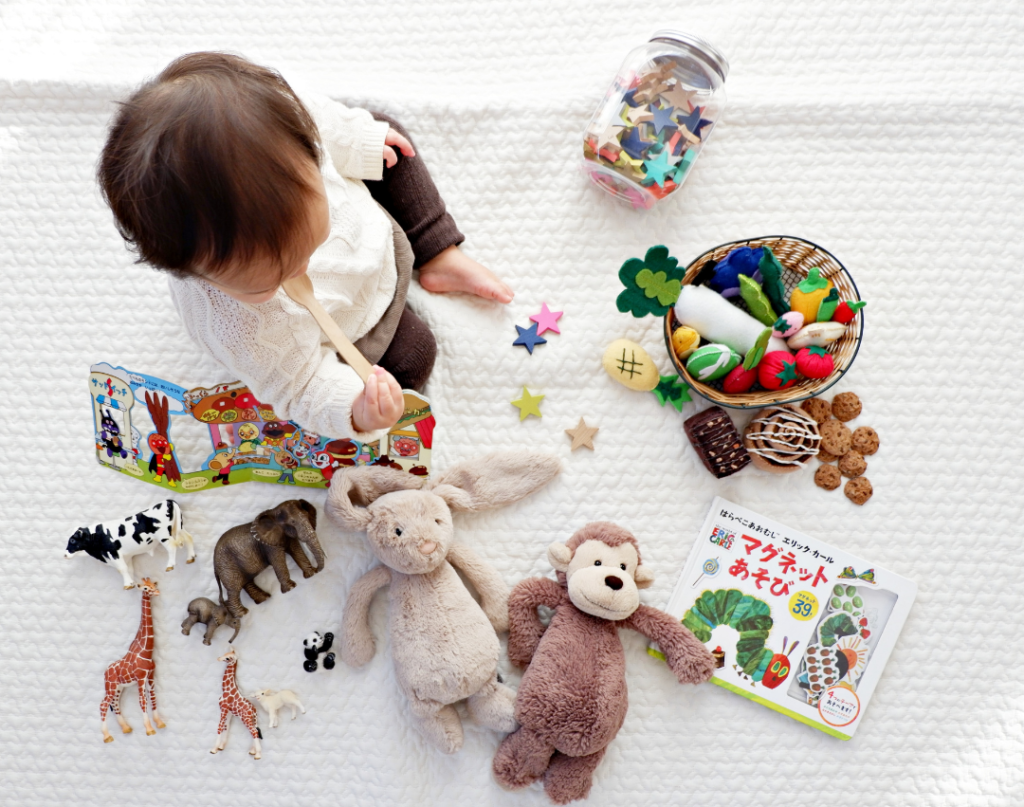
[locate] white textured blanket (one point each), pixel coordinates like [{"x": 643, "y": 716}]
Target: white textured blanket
[{"x": 887, "y": 132}]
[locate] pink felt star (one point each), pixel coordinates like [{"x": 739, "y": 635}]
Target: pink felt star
[{"x": 546, "y": 320}]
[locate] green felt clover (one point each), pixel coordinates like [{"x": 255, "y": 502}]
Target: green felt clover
[
  {"x": 813, "y": 281},
  {"x": 652, "y": 284},
  {"x": 827, "y": 307},
  {"x": 757, "y": 301},
  {"x": 672, "y": 390},
  {"x": 771, "y": 281}
]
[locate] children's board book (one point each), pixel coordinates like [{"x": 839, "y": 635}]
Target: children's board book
[
  {"x": 794, "y": 624},
  {"x": 203, "y": 438}
]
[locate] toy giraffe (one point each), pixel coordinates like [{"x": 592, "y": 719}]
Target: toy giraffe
[
  {"x": 232, "y": 703},
  {"x": 135, "y": 666}
]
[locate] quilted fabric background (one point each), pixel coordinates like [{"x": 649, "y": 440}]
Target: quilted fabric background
[{"x": 888, "y": 132}]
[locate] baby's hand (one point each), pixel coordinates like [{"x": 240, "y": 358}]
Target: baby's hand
[
  {"x": 393, "y": 138},
  {"x": 380, "y": 404}
]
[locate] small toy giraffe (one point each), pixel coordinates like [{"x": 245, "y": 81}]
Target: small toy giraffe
[
  {"x": 233, "y": 703},
  {"x": 136, "y": 665}
]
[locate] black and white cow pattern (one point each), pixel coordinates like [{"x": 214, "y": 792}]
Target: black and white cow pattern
[{"x": 119, "y": 542}]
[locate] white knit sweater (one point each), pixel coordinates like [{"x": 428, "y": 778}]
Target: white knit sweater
[{"x": 276, "y": 347}]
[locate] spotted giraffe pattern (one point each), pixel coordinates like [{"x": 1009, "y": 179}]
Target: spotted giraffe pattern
[
  {"x": 233, "y": 703},
  {"x": 136, "y": 665}
]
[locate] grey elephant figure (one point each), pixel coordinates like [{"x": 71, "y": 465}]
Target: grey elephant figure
[
  {"x": 246, "y": 550},
  {"x": 205, "y": 610}
]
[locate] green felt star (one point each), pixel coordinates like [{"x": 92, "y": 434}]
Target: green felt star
[
  {"x": 671, "y": 390},
  {"x": 658, "y": 285},
  {"x": 788, "y": 372},
  {"x": 813, "y": 281},
  {"x": 659, "y": 167},
  {"x": 635, "y": 298}
]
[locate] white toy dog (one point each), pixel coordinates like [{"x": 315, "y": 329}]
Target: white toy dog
[{"x": 272, "y": 702}]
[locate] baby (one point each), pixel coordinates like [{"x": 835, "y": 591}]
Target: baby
[{"x": 219, "y": 174}]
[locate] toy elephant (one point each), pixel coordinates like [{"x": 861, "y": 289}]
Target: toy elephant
[
  {"x": 444, "y": 643},
  {"x": 205, "y": 610},
  {"x": 246, "y": 550}
]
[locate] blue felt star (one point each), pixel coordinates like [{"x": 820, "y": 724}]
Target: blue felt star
[
  {"x": 633, "y": 144},
  {"x": 528, "y": 338},
  {"x": 659, "y": 167},
  {"x": 662, "y": 117}
]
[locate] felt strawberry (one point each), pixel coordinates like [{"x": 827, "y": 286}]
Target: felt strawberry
[
  {"x": 777, "y": 370},
  {"x": 815, "y": 362},
  {"x": 739, "y": 380},
  {"x": 846, "y": 311}
]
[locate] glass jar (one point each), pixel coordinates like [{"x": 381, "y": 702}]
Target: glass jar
[{"x": 655, "y": 118}]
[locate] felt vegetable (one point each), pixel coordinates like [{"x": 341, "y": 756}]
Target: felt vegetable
[
  {"x": 777, "y": 370},
  {"x": 771, "y": 280},
  {"x": 742, "y": 260},
  {"x": 652, "y": 284},
  {"x": 808, "y": 295},
  {"x": 828, "y": 305},
  {"x": 718, "y": 320},
  {"x": 788, "y": 324},
  {"x": 815, "y": 362},
  {"x": 753, "y": 295},
  {"x": 739, "y": 380},
  {"x": 756, "y": 353},
  {"x": 630, "y": 365},
  {"x": 846, "y": 311},
  {"x": 817, "y": 333},
  {"x": 685, "y": 341},
  {"x": 712, "y": 361}
]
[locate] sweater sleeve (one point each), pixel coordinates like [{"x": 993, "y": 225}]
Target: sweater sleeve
[
  {"x": 277, "y": 354},
  {"x": 352, "y": 138}
]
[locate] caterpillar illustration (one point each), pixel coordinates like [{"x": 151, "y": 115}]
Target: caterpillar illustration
[{"x": 751, "y": 618}]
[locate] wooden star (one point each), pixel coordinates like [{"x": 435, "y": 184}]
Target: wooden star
[
  {"x": 678, "y": 96},
  {"x": 663, "y": 70},
  {"x": 528, "y": 405},
  {"x": 609, "y": 137},
  {"x": 639, "y": 114},
  {"x": 582, "y": 435}
]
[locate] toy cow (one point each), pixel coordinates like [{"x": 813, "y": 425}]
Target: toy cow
[{"x": 117, "y": 543}]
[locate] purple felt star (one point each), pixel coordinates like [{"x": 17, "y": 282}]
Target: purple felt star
[
  {"x": 529, "y": 338},
  {"x": 633, "y": 144}
]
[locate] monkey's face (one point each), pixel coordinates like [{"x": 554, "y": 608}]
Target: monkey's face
[{"x": 602, "y": 581}]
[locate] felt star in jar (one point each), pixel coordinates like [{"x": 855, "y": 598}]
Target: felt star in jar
[
  {"x": 658, "y": 167},
  {"x": 609, "y": 136},
  {"x": 678, "y": 96},
  {"x": 546, "y": 320},
  {"x": 640, "y": 114},
  {"x": 634, "y": 145},
  {"x": 528, "y": 405},
  {"x": 661, "y": 118}
]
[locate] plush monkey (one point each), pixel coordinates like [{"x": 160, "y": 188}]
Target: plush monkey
[{"x": 572, "y": 699}]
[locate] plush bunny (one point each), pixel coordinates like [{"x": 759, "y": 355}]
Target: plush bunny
[{"x": 444, "y": 643}]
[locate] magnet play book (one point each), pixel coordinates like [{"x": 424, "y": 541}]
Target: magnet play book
[
  {"x": 200, "y": 438},
  {"x": 794, "y": 624}
]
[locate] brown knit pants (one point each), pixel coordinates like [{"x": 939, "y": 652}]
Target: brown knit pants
[{"x": 408, "y": 193}]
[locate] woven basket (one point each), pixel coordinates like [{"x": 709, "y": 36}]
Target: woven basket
[{"x": 797, "y": 258}]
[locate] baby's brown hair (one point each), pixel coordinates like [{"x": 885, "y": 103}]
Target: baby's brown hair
[{"x": 204, "y": 164}]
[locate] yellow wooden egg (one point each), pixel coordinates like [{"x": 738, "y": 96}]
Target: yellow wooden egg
[
  {"x": 807, "y": 296},
  {"x": 630, "y": 365},
  {"x": 685, "y": 341}
]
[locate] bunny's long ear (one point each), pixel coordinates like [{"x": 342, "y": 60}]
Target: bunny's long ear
[
  {"x": 353, "y": 489},
  {"x": 494, "y": 480}
]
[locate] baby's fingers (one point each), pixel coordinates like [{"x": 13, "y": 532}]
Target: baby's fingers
[
  {"x": 393, "y": 138},
  {"x": 390, "y": 158},
  {"x": 372, "y": 392}
]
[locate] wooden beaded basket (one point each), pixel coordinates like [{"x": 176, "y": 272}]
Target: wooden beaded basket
[{"x": 797, "y": 257}]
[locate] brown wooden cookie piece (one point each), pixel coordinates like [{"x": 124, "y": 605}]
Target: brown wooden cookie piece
[
  {"x": 828, "y": 477},
  {"x": 817, "y": 408},
  {"x": 845, "y": 406},
  {"x": 835, "y": 437},
  {"x": 852, "y": 464},
  {"x": 858, "y": 490},
  {"x": 865, "y": 440}
]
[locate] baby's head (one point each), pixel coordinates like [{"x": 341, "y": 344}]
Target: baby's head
[{"x": 212, "y": 170}]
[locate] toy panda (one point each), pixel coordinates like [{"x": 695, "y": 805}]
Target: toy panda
[{"x": 315, "y": 644}]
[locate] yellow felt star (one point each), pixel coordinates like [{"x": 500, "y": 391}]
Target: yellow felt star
[
  {"x": 582, "y": 435},
  {"x": 528, "y": 404}
]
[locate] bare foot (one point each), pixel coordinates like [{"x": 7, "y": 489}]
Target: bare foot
[{"x": 452, "y": 270}]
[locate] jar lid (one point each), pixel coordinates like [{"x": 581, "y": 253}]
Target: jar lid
[{"x": 713, "y": 55}]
